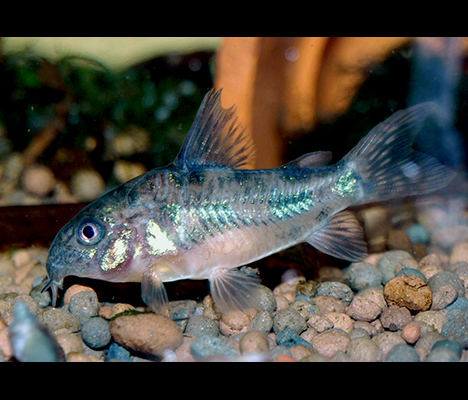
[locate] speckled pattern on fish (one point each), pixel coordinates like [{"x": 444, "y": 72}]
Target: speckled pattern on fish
[{"x": 208, "y": 213}]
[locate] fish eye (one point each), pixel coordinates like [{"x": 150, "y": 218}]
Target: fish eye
[{"x": 90, "y": 232}]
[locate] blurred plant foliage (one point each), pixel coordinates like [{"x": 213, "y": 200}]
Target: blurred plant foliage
[{"x": 160, "y": 97}]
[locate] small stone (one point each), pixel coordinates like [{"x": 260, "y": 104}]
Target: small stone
[
  {"x": 386, "y": 340},
  {"x": 72, "y": 290},
  {"x": 58, "y": 318},
  {"x": 87, "y": 184},
  {"x": 363, "y": 350},
  {"x": 455, "y": 328},
  {"x": 254, "y": 342},
  {"x": 361, "y": 275},
  {"x": 319, "y": 323},
  {"x": 326, "y": 304},
  {"x": 289, "y": 318},
  {"x": 69, "y": 341},
  {"x": 445, "y": 278},
  {"x": 408, "y": 291},
  {"x": 460, "y": 303},
  {"x": 340, "y": 321},
  {"x": 363, "y": 309},
  {"x": 451, "y": 345},
  {"x": 402, "y": 353},
  {"x": 147, "y": 333},
  {"x": 300, "y": 352},
  {"x": 290, "y": 338},
  {"x": 119, "y": 353},
  {"x": 411, "y": 332},
  {"x": 38, "y": 180},
  {"x": 266, "y": 299},
  {"x": 314, "y": 357},
  {"x": 262, "y": 321},
  {"x": 395, "y": 318},
  {"x": 418, "y": 233},
  {"x": 234, "y": 322},
  {"x": 389, "y": 262},
  {"x": 425, "y": 343},
  {"x": 430, "y": 270},
  {"x": 201, "y": 325},
  {"x": 303, "y": 307},
  {"x": 84, "y": 305},
  {"x": 96, "y": 333},
  {"x": 442, "y": 355},
  {"x": 207, "y": 346},
  {"x": 337, "y": 290},
  {"x": 330, "y": 342},
  {"x": 431, "y": 259}
]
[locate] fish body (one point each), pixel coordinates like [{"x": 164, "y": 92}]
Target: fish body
[{"x": 205, "y": 214}]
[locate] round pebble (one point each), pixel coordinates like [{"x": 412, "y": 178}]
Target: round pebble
[
  {"x": 363, "y": 350},
  {"x": 207, "y": 346},
  {"x": 418, "y": 233},
  {"x": 201, "y": 325},
  {"x": 84, "y": 305},
  {"x": 402, "y": 353},
  {"x": 87, "y": 184},
  {"x": 326, "y": 304},
  {"x": 234, "y": 322},
  {"x": 96, "y": 333},
  {"x": 337, "y": 290},
  {"x": 38, "y": 180},
  {"x": 411, "y": 292},
  {"x": 262, "y": 321},
  {"x": 411, "y": 332},
  {"x": 363, "y": 309},
  {"x": 149, "y": 333},
  {"x": 254, "y": 342},
  {"x": 330, "y": 342},
  {"x": 455, "y": 328},
  {"x": 395, "y": 318},
  {"x": 389, "y": 262},
  {"x": 361, "y": 275},
  {"x": 289, "y": 318}
]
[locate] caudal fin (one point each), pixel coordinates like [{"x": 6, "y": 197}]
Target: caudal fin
[{"x": 387, "y": 164}]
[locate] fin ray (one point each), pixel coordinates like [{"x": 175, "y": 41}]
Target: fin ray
[
  {"x": 233, "y": 289},
  {"x": 388, "y": 165},
  {"x": 216, "y": 138},
  {"x": 341, "y": 237},
  {"x": 153, "y": 292}
]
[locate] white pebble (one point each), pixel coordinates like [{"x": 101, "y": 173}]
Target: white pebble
[{"x": 87, "y": 184}]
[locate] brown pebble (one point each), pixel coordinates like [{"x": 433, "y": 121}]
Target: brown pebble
[
  {"x": 38, "y": 180},
  {"x": 330, "y": 342},
  {"x": 234, "y": 322},
  {"x": 410, "y": 291},
  {"x": 411, "y": 332},
  {"x": 150, "y": 333},
  {"x": 254, "y": 342},
  {"x": 363, "y": 309}
]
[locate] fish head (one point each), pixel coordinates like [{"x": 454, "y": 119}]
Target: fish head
[{"x": 96, "y": 244}]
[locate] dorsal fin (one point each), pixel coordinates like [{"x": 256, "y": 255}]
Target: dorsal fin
[{"x": 216, "y": 138}]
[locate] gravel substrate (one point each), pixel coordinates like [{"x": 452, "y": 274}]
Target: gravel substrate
[{"x": 406, "y": 303}]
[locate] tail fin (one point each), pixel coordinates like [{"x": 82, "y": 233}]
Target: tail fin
[{"x": 387, "y": 164}]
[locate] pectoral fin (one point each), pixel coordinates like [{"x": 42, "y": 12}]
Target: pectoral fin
[
  {"x": 232, "y": 289},
  {"x": 341, "y": 237},
  {"x": 153, "y": 292}
]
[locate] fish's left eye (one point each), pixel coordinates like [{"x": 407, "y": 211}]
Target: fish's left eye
[{"x": 90, "y": 232}]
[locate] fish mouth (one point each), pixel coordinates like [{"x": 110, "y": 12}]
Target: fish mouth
[{"x": 53, "y": 286}]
